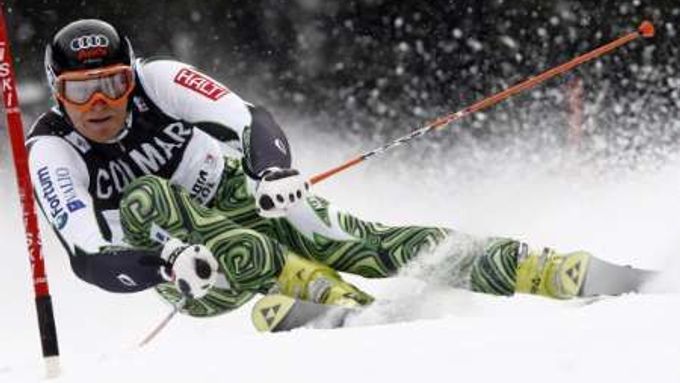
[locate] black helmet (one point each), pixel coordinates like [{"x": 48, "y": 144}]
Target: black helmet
[{"x": 86, "y": 44}]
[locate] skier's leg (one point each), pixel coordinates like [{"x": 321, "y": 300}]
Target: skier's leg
[
  {"x": 249, "y": 261},
  {"x": 316, "y": 230},
  {"x": 501, "y": 266},
  {"x": 497, "y": 266}
]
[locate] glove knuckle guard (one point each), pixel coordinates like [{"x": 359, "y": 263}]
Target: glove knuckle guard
[
  {"x": 184, "y": 287},
  {"x": 191, "y": 268},
  {"x": 266, "y": 202},
  {"x": 278, "y": 190},
  {"x": 203, "y": 269}
]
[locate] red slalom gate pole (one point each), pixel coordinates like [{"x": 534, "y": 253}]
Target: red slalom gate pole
[
  {"x": 646, "y": 29},
  {"x": 575, "y": 111},
  {"x": 43, "y": 301}
]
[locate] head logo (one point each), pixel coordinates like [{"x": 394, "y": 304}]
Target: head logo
[
  {"x": 89, "y": 42},
  {"x": 92, "y": 54},
  {"x": 90, "y": 47}
]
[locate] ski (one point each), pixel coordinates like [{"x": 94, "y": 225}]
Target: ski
[
  {"x": 607, "y": 279},
  {"x": 598, "y": 279},
  {"x": 276, "y": 313}
]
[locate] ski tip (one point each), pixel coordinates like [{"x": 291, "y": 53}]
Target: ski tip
[
  {"x": 646, "y": 29},
  {"x": 269, "y": 311}
]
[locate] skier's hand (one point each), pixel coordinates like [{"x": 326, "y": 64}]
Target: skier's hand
[
  {"x": 192, "y": 268},
  {"x": 278, "y": 190}
]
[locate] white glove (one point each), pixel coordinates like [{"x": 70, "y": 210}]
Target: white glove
[
  {"x": 192, "y": 268},
  {"x": 278, "y": 190}
]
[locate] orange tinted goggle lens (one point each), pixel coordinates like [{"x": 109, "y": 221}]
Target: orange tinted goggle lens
[{"x": 80, "y": 87}]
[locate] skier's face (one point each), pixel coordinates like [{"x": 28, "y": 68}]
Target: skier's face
[
  {"x": 96, "y": 99},
  {"x": 101, "y": 122}
]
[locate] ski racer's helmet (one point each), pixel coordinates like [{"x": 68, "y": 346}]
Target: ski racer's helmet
[{"x": 86, "y": 44}]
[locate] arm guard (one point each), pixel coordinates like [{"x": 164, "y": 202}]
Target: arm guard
[{"x": 265, "y": 145}]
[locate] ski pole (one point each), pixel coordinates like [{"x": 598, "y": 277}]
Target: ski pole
[
  {"x": 176, "y": 309},
  {"x": 162, "y": 237},
  {"x": 43, "y": 301},
  {"x": 646, "y": 30}
]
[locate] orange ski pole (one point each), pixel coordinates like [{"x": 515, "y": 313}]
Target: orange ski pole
[{"x": 646, "y": 30}]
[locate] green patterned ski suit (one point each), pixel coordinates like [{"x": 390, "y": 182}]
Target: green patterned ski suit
[{"x": 251, "y": 250}]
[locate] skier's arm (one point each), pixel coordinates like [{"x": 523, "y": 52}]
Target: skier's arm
[
  {"x": 183, "y": 92},
  {"x": 60, "y": 182}
]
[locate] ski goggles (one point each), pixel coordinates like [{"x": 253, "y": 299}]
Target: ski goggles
[{"x": 83, "y": 88}]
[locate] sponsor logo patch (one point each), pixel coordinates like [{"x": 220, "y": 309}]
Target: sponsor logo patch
[
  {"x": 126, "y": 280},
  {"x": 88, "y": 42},
  {"x": 156, "y": 233},
  {"x": 65, "y": 184},
  {"x": 55, "y": 210},
  {"x": 90, "y": 46},
  {"x": 6, "y": 81},
  {"x": 204, "y": 185},
  {"x": 149, "y": 158},
  {"x": 92, "y": 54},
  {"x": 280, "y": 145},
  {"x": 201, "y": 84},
  {"x": 269, "y": 313}
]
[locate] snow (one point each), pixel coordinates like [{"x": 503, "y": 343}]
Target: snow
[
  {"x": 447, "y": 335},
  {"x": 498, "y": 173}
]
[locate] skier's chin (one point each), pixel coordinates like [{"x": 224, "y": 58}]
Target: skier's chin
[
  {"x": 101, "y": 123},
  {"x": 102, "y": 129}
]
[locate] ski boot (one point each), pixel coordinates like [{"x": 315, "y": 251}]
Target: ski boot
[
  {"x": 312, "y": 281},
  {"x": 577, "y": 274}
]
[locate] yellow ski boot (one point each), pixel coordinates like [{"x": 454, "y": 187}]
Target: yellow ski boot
[
  {"x": 312, "y": 281},
  {"x": 551, "y": 274}
]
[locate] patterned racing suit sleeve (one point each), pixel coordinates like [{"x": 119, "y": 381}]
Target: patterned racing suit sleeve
[
  {"x": 60, "y": 180},
  {"x": 184, "y": 93}
]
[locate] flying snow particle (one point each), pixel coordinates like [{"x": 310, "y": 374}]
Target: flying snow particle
[
  {"x": 618, "y": 109},
  {"x": 474, "y": 44},
  {"x": 670, "y": 30},
  {"x": 418, "y": 111},
  {"x": 479, "y": 116},
  {"x": 509, "y": 42}
]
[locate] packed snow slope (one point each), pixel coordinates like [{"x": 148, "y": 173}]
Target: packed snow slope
[{"x": 429, "y": 333}]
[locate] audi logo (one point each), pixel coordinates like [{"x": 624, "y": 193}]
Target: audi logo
[{"x": 88, "y": 42}]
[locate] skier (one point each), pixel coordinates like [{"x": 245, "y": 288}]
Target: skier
[{"x": 129, "y": 167}]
